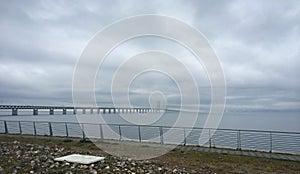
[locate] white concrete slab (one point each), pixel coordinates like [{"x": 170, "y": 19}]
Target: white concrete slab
[{"x": 81, "y": 159}]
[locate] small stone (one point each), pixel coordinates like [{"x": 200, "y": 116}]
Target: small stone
[
  {"x": 2, "y": 170},
  {"x": 32, "y": 163},
  {"x": 31, "y": 171},
  {"x": 194, "y": 171},
  {"x": 18, "y": 152},
  {"x": 107, "y": 167},
  {"x": 74, "y": 166},
  {"x": 51, "y": 166},
  {"x": 93, "y": 171},
  {"x": 139, "y": 170},
  {"x": 49, "y": 161},
  {"x": 83, "y": 166},
  {"x": 15, "y": 171}
]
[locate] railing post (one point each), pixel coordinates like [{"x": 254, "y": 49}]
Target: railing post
[
  {"x": 101, "y": 131},
  {"x": 50, "y": 129},
  {"x": 34, "y": 128},
  {"x": 67, "y": 131},
  {"x": 83, "y": 134},
  {"x": 5, "y": 127},
  {"x": 120, "y": 133},
  {"x": 20, "y": 128},
  {"x": 271, "y": 142},
  {"x": 139, "y": 129},
  {"x": 239, "y": 146},
  {"x": 209, "y": 138},
  {"x": 14, "y": 111},
  {"x": 237, "y": 140},
  {"x": 161, "y": 135},
  {"x": 184, "y": 136}
]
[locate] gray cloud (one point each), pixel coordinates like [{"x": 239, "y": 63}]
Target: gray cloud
[{"x": 257, "y": 43}]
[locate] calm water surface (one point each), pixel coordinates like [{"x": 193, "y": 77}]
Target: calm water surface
[{"x": 277, "y": 121}]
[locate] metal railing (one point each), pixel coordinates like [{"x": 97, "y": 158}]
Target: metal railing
[{"x": 271, "y": 141}]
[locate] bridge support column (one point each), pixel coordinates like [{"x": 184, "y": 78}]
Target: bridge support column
[
  {"x": 98, "y": 111},
  {"x": 51, "y": 111},
  {"x": 109, "y": 111},
  {"x": 114, "y": 110},
  {"x": 64, "y": 112},
  {"x": 92, "y": 110},
  {"x": 14, "y": 111},
  {"x": 83, "y": 111},
  {"x": 104, "y": 110},
  {"x": 35, "y": 111},
  {"x": 74, "y": 111}
]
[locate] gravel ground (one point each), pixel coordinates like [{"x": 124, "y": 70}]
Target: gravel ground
[
  {"x": 35, "y": 158},
  {"x": 36, "y": 155}
]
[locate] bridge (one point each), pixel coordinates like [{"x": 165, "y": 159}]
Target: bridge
[{"x": 35, "y": 109}]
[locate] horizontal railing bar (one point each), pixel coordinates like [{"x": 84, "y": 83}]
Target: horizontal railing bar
[{"x": 165, "y": 127}]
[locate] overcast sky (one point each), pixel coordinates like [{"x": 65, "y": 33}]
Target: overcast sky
[{"x": 257, "y": 43}]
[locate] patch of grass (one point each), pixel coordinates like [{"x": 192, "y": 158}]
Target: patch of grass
[
  {"x": 225, "y": 163},
  {"x": 67, "y": 140},
  {"x": 85, "y": 141}
]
